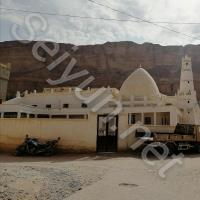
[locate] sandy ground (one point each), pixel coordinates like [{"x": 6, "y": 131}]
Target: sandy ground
[{"x": 95, "y": 177}]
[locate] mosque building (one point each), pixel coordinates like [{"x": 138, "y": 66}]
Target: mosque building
[{"x": 93, "y": 120}]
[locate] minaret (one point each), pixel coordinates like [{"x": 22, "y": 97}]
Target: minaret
[
  {"x": 186, "y": 81},
  {"x": 187, "y": 99}
]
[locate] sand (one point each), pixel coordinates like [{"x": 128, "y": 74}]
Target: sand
[{"x": 95, "y": 177}]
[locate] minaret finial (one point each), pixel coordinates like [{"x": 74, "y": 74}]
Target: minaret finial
[{"x": 186, "y": 56}]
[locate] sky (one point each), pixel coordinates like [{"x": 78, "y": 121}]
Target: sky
[{"x": 21, "y": 25}]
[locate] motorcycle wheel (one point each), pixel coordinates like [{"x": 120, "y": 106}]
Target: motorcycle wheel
[
  {"x": 20, "y": 151},
  {"x": 50, "y": 152}
]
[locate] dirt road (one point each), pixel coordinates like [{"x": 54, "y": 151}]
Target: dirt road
[{"x": 95, "y": 177}]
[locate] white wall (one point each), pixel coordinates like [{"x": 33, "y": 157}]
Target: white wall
[{"x": 76, "y": 134}]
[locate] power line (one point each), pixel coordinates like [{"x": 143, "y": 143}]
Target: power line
[
  {"x": 143, "y": 20},
  {"x": 64, "y": 15},
  {"x": 100, "y": 18}
]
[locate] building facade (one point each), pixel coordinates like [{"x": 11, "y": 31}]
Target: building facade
[
  {"x": 99, "y": 119},
  {"x": 4, "y": 77}
]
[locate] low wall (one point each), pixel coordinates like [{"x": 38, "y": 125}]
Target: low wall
[{"x": 76, "y": 134}]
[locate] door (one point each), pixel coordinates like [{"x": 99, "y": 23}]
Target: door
[{"x": 107, "y": 133}]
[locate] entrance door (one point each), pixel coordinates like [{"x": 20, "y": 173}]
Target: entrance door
[{"x": 107, "y": 133}]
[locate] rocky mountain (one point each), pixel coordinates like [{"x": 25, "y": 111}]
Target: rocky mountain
[{"x": 109, "y": 63}]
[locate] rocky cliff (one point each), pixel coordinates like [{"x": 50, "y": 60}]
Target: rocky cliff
[{"x": 109, "y": 63}]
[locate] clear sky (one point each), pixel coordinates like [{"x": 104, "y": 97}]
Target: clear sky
[{"x": 90, "y": 31}]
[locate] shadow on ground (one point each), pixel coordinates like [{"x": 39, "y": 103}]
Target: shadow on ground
[{"x": 8, "y": 158}]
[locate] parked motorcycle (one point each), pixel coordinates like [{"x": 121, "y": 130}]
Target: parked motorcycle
[{"x": 32, "y": 146}]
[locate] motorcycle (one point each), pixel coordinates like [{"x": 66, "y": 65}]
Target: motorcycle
[{"x": 32, "y": 146}]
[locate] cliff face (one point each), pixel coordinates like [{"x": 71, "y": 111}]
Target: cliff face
[{"x": 109, "y": 63}]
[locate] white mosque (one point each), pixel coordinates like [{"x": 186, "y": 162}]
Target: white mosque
[{"x": 78, "y": 117}]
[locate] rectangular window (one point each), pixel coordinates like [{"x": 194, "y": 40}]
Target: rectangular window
[
  {"x": 168, "y": 104},
  {"x": 132, "y": 118},
  {"x": 66, "y": 105},
  {"x": 48, "y": 106},
  {"x": 59, "y": 116},
  {"x": 165, "y": 120},
  {"x": 84, "y": 105},
  {"x": 42, "y": 116},
  {"x": 10, "y": 115},
  {"x": 147, "y": 120},
  {"x": 31, "y": 116},
  {"x": 76, "y": 116},
  {"x": 23, "y": 115}
]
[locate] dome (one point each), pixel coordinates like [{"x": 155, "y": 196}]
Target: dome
[{"x": 140, "y": 83}]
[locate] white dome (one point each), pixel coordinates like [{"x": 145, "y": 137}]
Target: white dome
[{"x": 140, "y": 83}]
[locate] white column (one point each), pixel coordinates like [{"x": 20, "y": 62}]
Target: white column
[
  {"x": 132, "y": 100},
  {"x": 18, "y": 115},
  {"x": 145, "y": 100},
  {"x": 173, "y": 118},
  {"x": 142, "y": 118},
  {"x": 155, "y": 118}
]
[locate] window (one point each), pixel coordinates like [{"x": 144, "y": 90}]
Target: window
[
  {"x": 59, "y": 116},
  {"x": 31, "y": 116},
  {"x": 84, "y": 105},
  {"x": 165, "y": 119},
  {"x": 147, "y": 120},
  {"x": 23, "y": 115},
  {"x": 131, "y": 118},
  {"x": 76, "y": 116},
  {"x": 134, "y": 118},
  {"x": 10, "y": 115},
  {"x": 188, "y": 101},
  {"x": 1, "y": 101},
  {"x": 43, "y": 116},
  {"x": 66, "y": 105},
  {"x": 48, "y": 106},
  {"x": 34, "y": 105}
]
